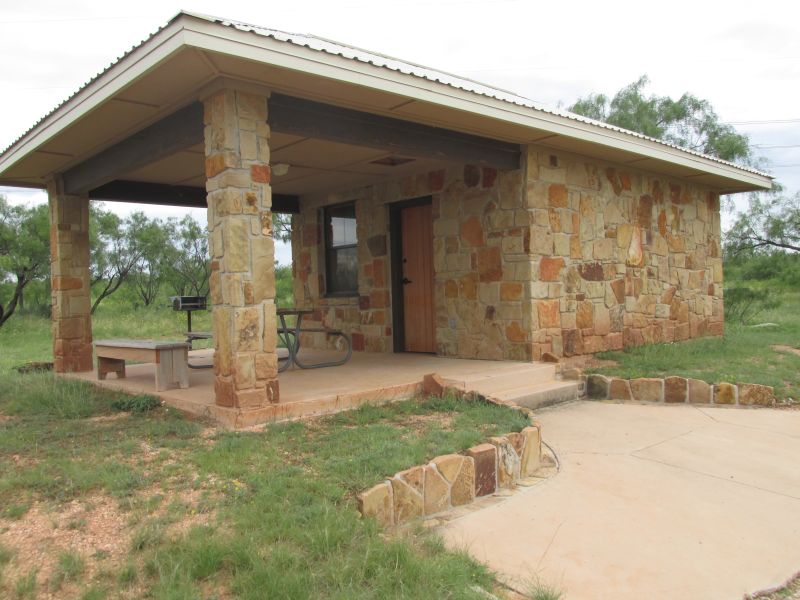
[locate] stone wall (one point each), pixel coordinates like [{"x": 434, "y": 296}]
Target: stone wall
[
  {"x": 564, "y": 256},
  {"x": 480, "y": 263},
  {"x": 620, "y": 257}
]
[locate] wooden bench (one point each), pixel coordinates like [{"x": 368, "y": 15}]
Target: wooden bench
[{"x": 170, "y": 358}]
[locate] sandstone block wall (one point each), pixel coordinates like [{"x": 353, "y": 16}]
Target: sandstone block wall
[
  {"x": 620, "y": 257},
  {"x": 565, "y": 255},
  {"x": 71, "y": 285},
  {"x": 242, "y": 279},
  {"x": 480, "y": 261}
]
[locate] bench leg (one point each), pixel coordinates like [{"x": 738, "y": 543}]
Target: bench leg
[
  {"x": 110, "y": 365},
  {"x": 172, "y": 368},
  {"x": 163, "y": 370},
  {"x": 180, "y": 364}
]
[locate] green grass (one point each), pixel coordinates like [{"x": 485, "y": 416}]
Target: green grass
[
  {"x": 744, "y": 354},
  {"x": 274, "y": 510}
]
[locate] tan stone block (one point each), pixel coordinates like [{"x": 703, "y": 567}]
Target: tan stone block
[
  {"x": 251, "y": 398},
  {"x": 244, "y": 374},
  {"x": 725, "y": 393},
  {"x": 675, "y": 390},
  {"x": 232, "y": 289},
  {"x": 603, "y": 249},
  {"x": 561, "y": 244},
  {"x": 377, "y": 502},
  {"x": 531, "y": 459},
  {"x": 449, "y": 465},
  {"x": 436, "y": 496},
  {"x": 266, "y": 365},
  {"x": 508, "y": 462},
  {"x": 619, "y": 389},
  {"x": 247, "y": 329},
  {"x": 602, "y": 320},
  {"x": 647, "y": 389},
  {"x": 752, "y": 393},
  {"x": 415, "y": 477},
  {"x": 699, "y": 392},
  {"x": 462, "y": 490},
  {"x": 408, "y": 501},
  {"x": 236, "y": 245},
  {"x": 584, "y": 315}
]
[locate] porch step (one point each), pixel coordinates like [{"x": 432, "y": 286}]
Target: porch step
[
  {"x": 512, "y": 377},
  {"x": 541, "y": 394}
]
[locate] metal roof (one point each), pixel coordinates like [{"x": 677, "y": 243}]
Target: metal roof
[{"x": 320, "y": 44}]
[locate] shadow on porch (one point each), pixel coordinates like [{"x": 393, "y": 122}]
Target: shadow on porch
[{"x": 373, "y": 378}]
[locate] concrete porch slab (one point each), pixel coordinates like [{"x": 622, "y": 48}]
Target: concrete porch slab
[
  {"x": 651, "y": 502},
  {"x": 367, "y": 378}
]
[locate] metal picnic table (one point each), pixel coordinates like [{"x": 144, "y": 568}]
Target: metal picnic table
[{"x": 290, "y": 335}]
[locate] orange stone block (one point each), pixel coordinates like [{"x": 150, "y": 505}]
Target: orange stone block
[
  {"x": 511, "y": 290},
  {"x": 550, "y": 268},
  {"x": 549, "y": 315},
  {"x": 557, "y": 195},
  {"x": 472, "y": 232},
  {"x": 260, "y": 173}
]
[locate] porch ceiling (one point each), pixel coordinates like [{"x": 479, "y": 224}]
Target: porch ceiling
[
  {"x": 193, "y": 56},
  {"x": 315, "y": 166}
]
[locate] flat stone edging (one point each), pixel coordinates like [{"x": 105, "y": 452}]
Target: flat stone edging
[
  {"x": 454, "y": 480},
  {"x": 676, "y": 390}
]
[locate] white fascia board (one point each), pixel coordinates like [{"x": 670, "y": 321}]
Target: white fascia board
[
  {"x": 249, "y": 45},
  {"x": 109, "y": 83}
]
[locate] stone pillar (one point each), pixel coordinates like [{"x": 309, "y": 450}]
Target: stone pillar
[
  {"x": 242, "y": 252},
  {"x": 69, "y": 269}
]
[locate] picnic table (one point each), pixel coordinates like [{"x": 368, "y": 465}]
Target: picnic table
[{"x": 290, "y": 335}]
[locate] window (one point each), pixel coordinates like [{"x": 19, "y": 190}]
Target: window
[{"x": 341, "y": 250}]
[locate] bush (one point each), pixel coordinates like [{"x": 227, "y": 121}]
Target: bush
[{"x": 743, "y": 304}]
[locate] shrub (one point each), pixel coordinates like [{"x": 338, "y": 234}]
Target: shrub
[{"x": 743, "y": 304}]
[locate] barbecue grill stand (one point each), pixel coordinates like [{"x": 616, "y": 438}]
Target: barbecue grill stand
[{"x": 189, "y": 304}]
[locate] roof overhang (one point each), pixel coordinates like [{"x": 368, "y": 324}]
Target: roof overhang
[{"x": 191, "y": 56}]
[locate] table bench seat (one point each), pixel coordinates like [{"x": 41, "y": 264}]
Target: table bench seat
[{"x": 170, "y": 358}]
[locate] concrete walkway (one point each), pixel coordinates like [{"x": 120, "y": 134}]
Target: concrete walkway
[{"x": 651, "y": 502}]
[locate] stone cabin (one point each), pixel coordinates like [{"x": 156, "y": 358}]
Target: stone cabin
[{"x": 430, "y": 213}]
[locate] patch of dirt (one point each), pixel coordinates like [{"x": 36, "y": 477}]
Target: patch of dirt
[
  {"x": 6, "y": 418},
  {"x": 109, "y": 418},
  {"x": 419, "y": 421},
  {"x": 92, "y": 527},
  {"x": 786, "y": 349}
]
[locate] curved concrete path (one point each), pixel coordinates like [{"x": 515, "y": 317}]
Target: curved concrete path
[{"x": 652, "y": 502}]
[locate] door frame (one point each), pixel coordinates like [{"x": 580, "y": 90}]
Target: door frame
[{"x": 396, "y": 259}]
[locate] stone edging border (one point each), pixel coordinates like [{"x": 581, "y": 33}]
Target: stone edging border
[
  {"x": 677, "y": 390},
  {"x": 453, "y": 480}
]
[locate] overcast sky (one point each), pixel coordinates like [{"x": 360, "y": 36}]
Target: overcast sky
[{"x": 743, "y": 57}]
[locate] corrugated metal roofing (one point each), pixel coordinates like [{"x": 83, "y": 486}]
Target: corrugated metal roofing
[{"x": 387, "y": 62}]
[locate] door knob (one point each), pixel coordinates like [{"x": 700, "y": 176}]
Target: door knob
[{"x": 406, "y": 281}]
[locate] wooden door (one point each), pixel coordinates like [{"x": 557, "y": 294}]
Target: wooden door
[{"x": 417, "y": 271}]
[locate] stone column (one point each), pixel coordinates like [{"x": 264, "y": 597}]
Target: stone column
[
  {"x": 69, "y": 269},
  {"x": 242, "y": 252}
]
